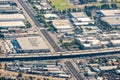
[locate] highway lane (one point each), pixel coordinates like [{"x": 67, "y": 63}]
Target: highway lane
[
  {"x": 73, "y": 70},
  {"x": 47, "y": 36},
  {"x": 28, "y": 57},
  {"x": 38, "y": 24}
]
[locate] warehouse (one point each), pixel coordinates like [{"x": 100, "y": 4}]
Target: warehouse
[
  {"x": 112, "y": 22},
  {"x": 50, "y": 16},
  {"x": 8, "y": 9},
  {"x": 62, "y": 25},
  {"x": 30, "y": 45},
  {"x": 89, "y": 43},
  {"x": 80, "y": 19},
  {"x": 12, "y": 17},
  {"x": 78, "y": 15},
  {"x": 7, "y": 1},
  {"x": 109, "y": 13},
  {"x": 12, "y": 24},
  {"x": 115, "y": 43}
]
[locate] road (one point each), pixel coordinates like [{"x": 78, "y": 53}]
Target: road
[
  {"x": 39, "y": 27},
  {"x": 73, "y": 70},
  {"x": 47, "y": 36},
  {"x": 28, "y": 57}
]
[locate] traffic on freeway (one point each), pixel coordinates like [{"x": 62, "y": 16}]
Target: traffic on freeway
[{"x": 73, "y": 70}]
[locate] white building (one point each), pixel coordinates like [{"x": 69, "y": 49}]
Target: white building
[
  {"x": 30, "y": 44},
  {"x": 109, "y": 13},
  {"x": 115, "y": 43},
  {"x": 80, "y": 18},
  {"x": 50, "y": 16},
  {"x": 12, "y": 24},
  {"x": 8, "y": 8},
  {"x": 12, "y": 17},
  {"x": 114, "y": 22},
  {"x": 90, "y": 42},
  {"x": 90, "y": 30},
  {"x": 106, "y": 68},
  {"x": 62, "y": 25}
]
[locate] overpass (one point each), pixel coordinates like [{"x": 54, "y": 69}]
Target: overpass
[{"x": 61, "y": 55}]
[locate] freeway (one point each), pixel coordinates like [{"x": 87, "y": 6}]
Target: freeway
[
  {"x": 39, "y": 25},
  {"x": 47, "y": 36},
  {"x": 27, "y": 57},
  {"x": 73, "y": 70}
]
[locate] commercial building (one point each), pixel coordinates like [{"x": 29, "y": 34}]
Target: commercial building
[
  {"x": 30, "y": 45},
  {"x": 12, "y": 17},
  {"x": 8, "y": 9},
  {"x": 78, "y": 15},
  {"x": 107, "y": 68},
  {"x": 109, "y": 13},
  {"x": 62, "y": 25},
  {"x": 90, "y": 30},
  {"x": 80, "y": 18},
  {"x": 12, "y": 24},
  {"x": 50, "y": 16},
  {"x": 7, "y": 1},
  {"x": 89, "y": 42},
  {"x": 115, "y": 43},
  {"x": 38, "y": 7},
  {"x": 113, "y": 22}
]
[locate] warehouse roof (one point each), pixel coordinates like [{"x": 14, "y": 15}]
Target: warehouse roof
[
  {"x": 79, "y": 14},
  {"x": 7, "y": 5},
  {"x": 32, "y": 43},
  {"x": 110, "y": 12},
  {"x": 112, "y": 21},
  {"x": 115, "y": 42},
  {"x": 62, "y": 24},
  {"x": 12, "y": 24},
  {"x": 11, "y": 16},
  {"x": 50, "y": 16},
  {"x": 107, "y": 67}
]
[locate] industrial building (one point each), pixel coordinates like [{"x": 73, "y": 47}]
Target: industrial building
[
  {"x": 90, "y": 30},
  {"x": 109, "y": 13},
  {"x": 89, "y": 43},
  {"x": 8, "y": 9},
  {"x": 50, "y": 16},
  {"x": 113, "y": 22},
  {"x": 109, "y": 18},
  {"x": 12, "y": 17},
  {"x": 42, "y": 68},
  {"x": 7, "y": 1},
  {"x": 115, "y": 43},
  {"x": 80, "y": 19},
  {"x": 78, "y": 15},
  {"x": 30, "y": 45},
  {"x": 62, "y": 25},
  {"x": 12, "y": 24}
]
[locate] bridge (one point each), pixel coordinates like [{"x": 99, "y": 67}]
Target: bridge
[{"x": 61, "y": 55}]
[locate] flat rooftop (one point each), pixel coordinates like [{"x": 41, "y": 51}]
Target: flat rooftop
[
  {"x": 79, "y": 14},
  {"x": 12, "y": 17},
  {"x": 110, "y": 12},
  {"x": 12, "y": 24},
  {"x": 7, "y": 5},
  {"x": 50, "y": 15},
  {"x": 32, "y": 43},
  {"x": 62, "y": 24},
  {"x": 112, "y": 21}
]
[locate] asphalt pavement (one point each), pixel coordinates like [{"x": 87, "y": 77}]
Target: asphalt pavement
[{"x": 73, "y": 70}]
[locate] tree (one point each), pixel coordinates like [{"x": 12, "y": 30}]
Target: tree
[
  {"x": 19, "y": 74},
  {"x": 114, "y": 6},
  {"x": 105, "y": 6},
  {"x": 28, "y": 24}
]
